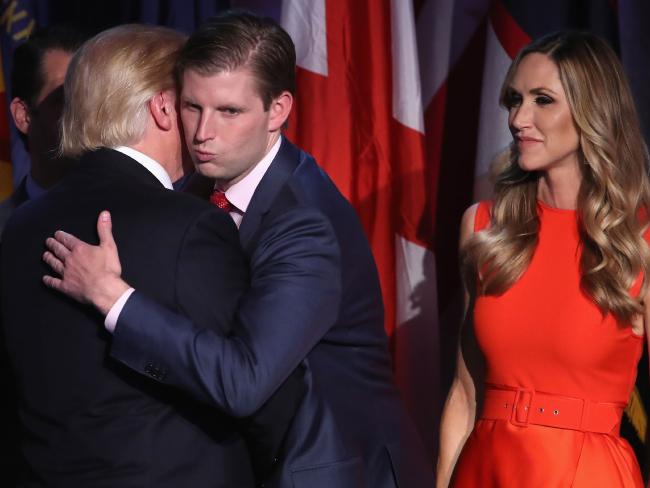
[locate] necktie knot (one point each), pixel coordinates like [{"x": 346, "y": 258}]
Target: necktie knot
[{"x": 219, "y": 199}]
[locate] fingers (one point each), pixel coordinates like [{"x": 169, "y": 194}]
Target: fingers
[
  {"x": 56, "y": 247},
  {"x": 58, "y": 285},
  {"x": 105, "y": 229},
  {"x": 52, "y": 282},
  {"x": 53, "y": 262},
  {"x": 68, "y": 240}
]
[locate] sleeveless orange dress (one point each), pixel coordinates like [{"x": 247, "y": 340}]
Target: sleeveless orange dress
[{"x": 544, "y": 341}]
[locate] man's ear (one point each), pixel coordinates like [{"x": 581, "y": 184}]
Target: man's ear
[
  {"x": 162, "y": 109},
  {"x": 280, "y": 109},
  {"x": 20, "y": 114}
]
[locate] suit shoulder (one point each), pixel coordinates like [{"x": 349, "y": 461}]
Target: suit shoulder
[
  {"x": 306, "y": 185},
  {"x": 309, "y": 198},
  {"x": 313, "y": 187}
]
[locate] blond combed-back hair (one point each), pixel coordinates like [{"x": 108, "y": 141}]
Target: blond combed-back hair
[
  {"x": 614, "y": 195},
  {"x": 109, "y": 83}
]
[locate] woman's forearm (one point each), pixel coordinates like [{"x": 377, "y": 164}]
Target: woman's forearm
[{"x": 456, "y": 425}]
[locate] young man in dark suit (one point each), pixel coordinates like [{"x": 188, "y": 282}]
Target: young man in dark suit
[
  {"x": 314, "y": 299},
  {"x": 86, "y": 420}
]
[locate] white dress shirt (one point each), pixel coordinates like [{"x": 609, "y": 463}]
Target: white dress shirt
[{"x": 154, "y": 167}]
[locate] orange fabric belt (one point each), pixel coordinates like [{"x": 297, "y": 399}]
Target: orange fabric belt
[{"x": 522, "y": 407}]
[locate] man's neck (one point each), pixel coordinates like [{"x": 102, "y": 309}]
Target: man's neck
[
  {"x": 153, "y": 166},
  {"x": 173, "y": 167}
]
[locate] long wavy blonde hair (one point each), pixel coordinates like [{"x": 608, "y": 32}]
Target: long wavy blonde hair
[{"x": 614, "y": 195}]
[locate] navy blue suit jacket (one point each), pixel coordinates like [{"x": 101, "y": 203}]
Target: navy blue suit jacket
[{"x": 314, "y": 300}]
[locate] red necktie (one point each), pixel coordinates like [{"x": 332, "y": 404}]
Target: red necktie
[{"x": 219, "y": 199}]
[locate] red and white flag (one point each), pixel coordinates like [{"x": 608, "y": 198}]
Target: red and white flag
[{"x": 359, "y": 112}]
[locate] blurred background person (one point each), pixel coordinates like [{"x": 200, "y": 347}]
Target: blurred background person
[{"x": 38, "y": 72}]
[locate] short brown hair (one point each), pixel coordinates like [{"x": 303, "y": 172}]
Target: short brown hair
[{"x": 238, "y": 39}]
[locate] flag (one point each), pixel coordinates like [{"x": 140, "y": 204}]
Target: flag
[{"x": 358, "y": 110}]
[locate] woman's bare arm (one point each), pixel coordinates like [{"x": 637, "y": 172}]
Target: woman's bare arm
[{"x": 459, "y": 413}]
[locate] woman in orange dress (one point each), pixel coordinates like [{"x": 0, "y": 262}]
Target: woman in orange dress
[{"x": 556, "y": 267}]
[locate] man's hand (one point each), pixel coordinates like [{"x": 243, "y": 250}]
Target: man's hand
[{"x": 89, "y": 274}]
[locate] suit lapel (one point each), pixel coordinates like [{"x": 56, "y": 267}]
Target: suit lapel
[{"x": 279, "y": 171}]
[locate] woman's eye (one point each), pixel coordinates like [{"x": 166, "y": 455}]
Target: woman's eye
[
  {"x": 543, "y": 100},
  {"x": 512, "y": 99}
]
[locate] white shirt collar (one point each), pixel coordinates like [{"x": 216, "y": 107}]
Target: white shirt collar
[
  {"x": 241, "y": 193},
  {"x": 153, "y": 166}
]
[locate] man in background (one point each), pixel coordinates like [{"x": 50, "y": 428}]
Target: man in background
[
  {"x": 37, "y": 75},
  {"x": 38, "y": 71}
]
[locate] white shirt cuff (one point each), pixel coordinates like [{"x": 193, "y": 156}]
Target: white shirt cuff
[{"x": 114, "y": 313}]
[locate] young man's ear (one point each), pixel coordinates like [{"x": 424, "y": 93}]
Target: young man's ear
[
  {"x": 20, "y": 114},
  {"x": 279, "y": 110},
  {"x": 162, "y": 110}
]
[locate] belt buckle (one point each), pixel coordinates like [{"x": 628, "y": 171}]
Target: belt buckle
[{"x": 521, "y": 407}]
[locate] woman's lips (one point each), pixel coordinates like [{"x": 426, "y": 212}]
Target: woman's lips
[{"x": 526, "y": 142}]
